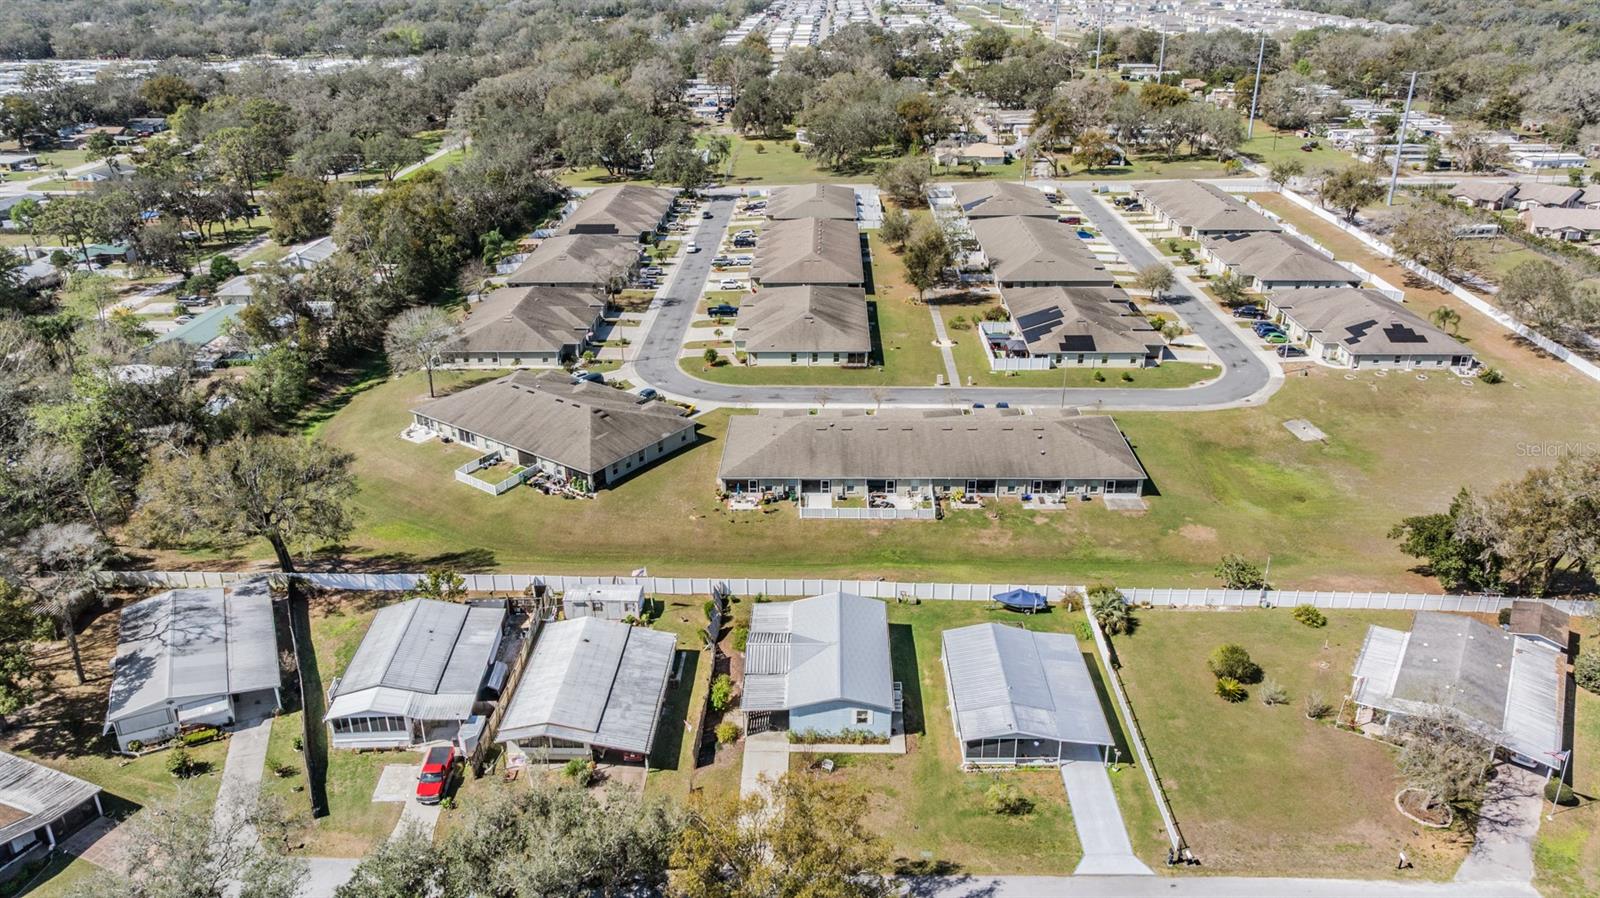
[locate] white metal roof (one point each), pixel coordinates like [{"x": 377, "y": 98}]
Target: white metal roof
[
  {"x": 1007, "y": 681},
  {"x": 594, "y": 681},
  {"x": 828, "y": 648},
  {"x": 187, "y": 644},
  {"x": 41, "y": 794},
  {"x": 423, "y": 659}
]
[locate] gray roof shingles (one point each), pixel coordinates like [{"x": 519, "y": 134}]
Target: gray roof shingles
[
  {"x": 529, "y": 319},
  {"x": 998, "y": 199},
  {"x": 1205, "y": 208},
  {"x": 1364, "y": 322},
  {"x": 812, "y": 201},
  {"x": 816, "y": 251},
  {"x": 805, "y": 319},
  {"x": 628, "y": 210},
  {"x": 1038, "y": 251}
]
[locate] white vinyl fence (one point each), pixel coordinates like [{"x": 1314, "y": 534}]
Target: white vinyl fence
[{"x": 1380, "y": 601}]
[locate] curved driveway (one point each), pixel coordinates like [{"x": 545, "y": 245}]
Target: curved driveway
[{"x": 1246, "y": 376}]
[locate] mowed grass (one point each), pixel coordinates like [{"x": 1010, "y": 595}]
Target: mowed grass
[
  {"x": 1566, "y": 857},
  {"x": 932, "y": 813},
  {"x": 1259, "y": 789},
  {"x": 1271, "y": 145}
]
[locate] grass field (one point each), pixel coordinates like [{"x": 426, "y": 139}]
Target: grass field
[
  {"x": 1566, "y": 857},
  {"x": 1260, "y": 789},
  {"x": 1271, "y": 145}
]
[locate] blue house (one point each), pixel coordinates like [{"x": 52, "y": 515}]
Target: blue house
[{"x": 820, "y": 665}]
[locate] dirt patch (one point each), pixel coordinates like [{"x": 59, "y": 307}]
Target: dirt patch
[
  {"x": 1414, "y": 804},
  {"x": 1198, "y": 533}
]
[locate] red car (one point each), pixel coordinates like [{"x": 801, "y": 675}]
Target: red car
[{"x": 437, "y": 767}]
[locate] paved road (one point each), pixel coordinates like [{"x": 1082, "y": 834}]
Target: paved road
[
  {"x": 1245, "y": 379},
  {"x": 1203, "y": 887}
]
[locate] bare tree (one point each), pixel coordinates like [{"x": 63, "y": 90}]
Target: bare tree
[
  {"x": 1441, "y": 756},
  {"x": 1155, "y": 278},
  {"x": 61, "y": 565},
  {"x": 414, "y": 338}
]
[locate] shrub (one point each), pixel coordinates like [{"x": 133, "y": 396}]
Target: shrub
[
  {"x": 1127, "y": 378},
  {"x": 580, "y": 771},
  {"x": 846, "y": 736},
  {"x": 1560, "y": 793},
  {"x": 709, "y": 606},
  {"x": 1006, "y": 799},
  {"x": 1231, "y": 661},
  {"x": 1491, "y": 376},
  {"x": 200, "y": 736},
  {"x": 1273, "y": 693},
  {"x": 741, "y": 638},
  {"x": 761, "y": 148},
  {"x": 135, "y": 745},
  {"x": 447, "y": 803},
  {"x": 996, "y": 313},
  {"x": 1109, "y": 610},
  {"x": 727, "y": 732},
  {"x": 1316, "y": 706},
  {"x": 1310, "y": 616},
  {"x": 1587, "y": 670},
  {"x": 1237, "y": 573},
  {"x": 1099, "y": 376},
  {"x": 180, "y": 763},
  {"x": 1231, "y": 690},
  {"x": 299, "y": 743},
  {"x": 1504, "y": 617},
  {"x": 721, "y": 692},
  {"x": 1084, "y": 631},
  {"x": 796, "y": 147}
]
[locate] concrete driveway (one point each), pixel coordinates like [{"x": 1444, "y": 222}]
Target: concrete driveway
[
  {"x": 1101, "y": 831},
  {"x": 1246, "y": 377}
]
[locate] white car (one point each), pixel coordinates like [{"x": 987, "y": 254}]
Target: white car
[
  {"x": 183, "y": 319},
  {"x": 743, "y": 260},
  {"x": 730, "y": 284},
  {"x": 691, "y": 247}
]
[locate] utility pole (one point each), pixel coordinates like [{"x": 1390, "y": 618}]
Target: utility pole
[
  {"x": 1400, "y": 140},
  {"x": 1099, "y": 38},
  {"x": 1261, "y": 55},
  {"x": 1161, "y": 58}
]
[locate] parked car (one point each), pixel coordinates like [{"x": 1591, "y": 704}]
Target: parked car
[
  {"x": 729, "y": 284},
  {"x": 1290, "y": 352},
  {"x": 723, "y": 310},
  {"x": 183, "y": 319},
  {"x": 1276, "y": 338},
  {"x": 721, "y": 261},
  {"x": 744, "y": 242},
  {"x": 652, "y": 271},
  {"x": 706, "y": 214},
  {"x": 977, "y": 405},
  {"x": 648, "y": 393},
  {"x": 691, "y": 247},
  {"x": 744, "y": 259},
  {"x": 438, "y": 766},
  {"x": 1071, "y": 219},
  {"x": 593, "y": 377},
  {"x": 1002, "y": 405},
  {"x": 1262, "y": 328},
  {"x": 1249, "y": 312}
]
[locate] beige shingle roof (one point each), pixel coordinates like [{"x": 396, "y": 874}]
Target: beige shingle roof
[
  {"x": 805, "y": 319},
  {"x": 585, "y": 426},
  {"x": 1038, "y": 250},
  {"x": 537, "y": 319},
  {"x": 994, "y": 199},
  {"x": 1547, "y": 194},
  {"x": 1277, "y": 257},
  {"x": 629, "y": 210},
  {"x": 902, "y": 445},
  {"x": 809, "y": 251},
  {"x": 1554, "y": 218},
  {"x": 813, "y": 201},
  {"x": 1365, "y": 322},
  {"x": 1204, "y": 207},
  {"x": 1079, "y": 319},
  {"x": 577, "y": 260}
]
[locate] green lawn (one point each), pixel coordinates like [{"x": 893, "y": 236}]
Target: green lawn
[
  {"x": 672, "y": 762},
  {"x": 1258, "y": 789},
  {"x": 1271, "y": 145},
  {"x": 445, "y": 161},
  {"x": 1566, "y": 858}
]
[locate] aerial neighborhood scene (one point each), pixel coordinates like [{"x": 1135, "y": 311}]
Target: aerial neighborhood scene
[{"x": 800, "y": 449}]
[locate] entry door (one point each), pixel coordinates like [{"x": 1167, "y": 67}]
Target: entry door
[
  {"x": 972, "y": 487},
  {"x": 825, "y": 487}
]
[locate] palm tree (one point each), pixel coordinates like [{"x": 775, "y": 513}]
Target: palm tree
[
  {"x": 1446, "y": 317},
  {"x": 1110, "y": 610},
  {"x": 62, "y": 565}
]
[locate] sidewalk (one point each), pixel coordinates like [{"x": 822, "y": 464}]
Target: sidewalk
[{"x": 241, "y": 774}]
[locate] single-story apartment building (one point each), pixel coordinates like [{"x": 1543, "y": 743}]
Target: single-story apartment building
[
  {"x": 575, "y": 431},
  {"x": 527, "y": 327},
  {"x": 1493, "y": 195},
  {"x": 988, "y": 453},
  {"x": 193, "y": 657},
  {"x": 1077, "y": 327},
  {"x": 823, "y": 252},
  {"x": 952, "y": 153},
  {"x": 1590, "y": 198},
  {"x": 819, "y": 665},
  {"x": 1364, "y": 329},
  {"x": 1554, "y": 196},
  {"x": 237, "y": 290},
  {"x": 629, "y": 210},
  {"x": 592, "y": 688},
  {"x": 805, "y": 326},
  {"x": 39, "y": 807},
  {"x": 309, "y": 255},
  {"x": 1038, "y": 252},
  {"x": 1272, "y": 261},
  {"x": 1574, "y": 225},
  {"x": 1505, "y": 687},
  {"x": 608, "y": 601},
  {"x": 1197, "y": 209},
  {"x": 595, "y": 261},
  {"x": 19, "y": 161},
  {"x": 1020, "y": 697},
  {"x": 209, "y": 335},
  {"x": 417, "y": 675},
  {"x": 832, "y": 201},
  {"x": 1002, "y": 199}
]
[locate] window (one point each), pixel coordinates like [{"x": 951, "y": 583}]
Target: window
[{"x": 863, "y": 716}]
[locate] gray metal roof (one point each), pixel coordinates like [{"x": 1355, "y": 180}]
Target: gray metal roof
[
  {"x": 805, "y": 319},
  {"x": 530, "y": 319},
  {"x": 898, "y": 445},
  {"x": 577, "y": 260},
  {"x": 994, "y": 199},
  {"x": 593, "y": 681},
  {"x": 1204, "y": 207},
  {"x": 1007, "y": 681},
  {"x": 1038, "y": 251},
  {"x": 32, "y": 795},
  {"x": 1079, "y": 319},
  {"x": 809, "y": 251},
  {"x": 813, "y": 201},
  {"x": 828, "y": 648},
  {"x": 1278, "y": 257},
  {"x": 1364, "y": 322},
  {"x": 192, "y": 643},
  {"x": 628, "y": 210},
  {"x": 418, "y": 650},
  {"x": 1505, "y": 686},
  {"x": 585, "y": 426}
]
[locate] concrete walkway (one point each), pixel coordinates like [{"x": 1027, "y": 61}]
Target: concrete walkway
[
  {"x": 1502, "y": 849},
  {"x": 952, "y": 376},
  {"x": 1101, "y": 832},
  {"x": 241, "y": 773},
  {"x": 766, "y": 756},
  {"x": 102, "y": 843}
]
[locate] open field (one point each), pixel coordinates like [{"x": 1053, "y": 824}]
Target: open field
[
  {"x": 1260, "y": 789},
  {"x": 1271, "y": 145},
  {"x": 1566, "y": 858}
]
